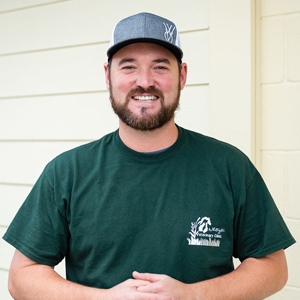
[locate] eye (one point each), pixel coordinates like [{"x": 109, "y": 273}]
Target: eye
[
  {"x": 127, "y": 67},
  {"x": 161, "y": 68}
]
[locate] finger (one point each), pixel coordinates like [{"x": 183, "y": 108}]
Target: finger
[
  {"x": 147, "y": 276},
  {"x": 137, "y": 283},
  {"x": 154, "y": 288},
  {"x": 148, "y": 288}
]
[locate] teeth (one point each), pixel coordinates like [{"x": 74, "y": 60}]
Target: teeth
[{"x": 145, "y": 98}]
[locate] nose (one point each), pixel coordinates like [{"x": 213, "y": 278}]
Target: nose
[{"x": 145, "y": 78}]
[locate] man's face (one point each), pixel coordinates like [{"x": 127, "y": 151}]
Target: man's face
[{"x": 145, "y": 84}]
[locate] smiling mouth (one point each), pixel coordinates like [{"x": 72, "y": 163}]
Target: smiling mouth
[{"x": 145, "y": 98}]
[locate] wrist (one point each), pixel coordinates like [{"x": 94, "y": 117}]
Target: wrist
[{"x": 197, "y": 291}]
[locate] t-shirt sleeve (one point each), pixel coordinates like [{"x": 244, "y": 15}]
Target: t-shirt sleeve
[
  {"x": 40, "y": 228},
  {"x": 259, "y": 227}
]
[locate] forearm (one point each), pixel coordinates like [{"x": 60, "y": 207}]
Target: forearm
[
  {"x": 42, "y": 282},
  {"x": 254, "y": 279},
  {"x": 29, "y": 280}
]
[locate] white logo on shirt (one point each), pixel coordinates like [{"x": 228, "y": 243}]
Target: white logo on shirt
[{"x": 204, "y": 234}]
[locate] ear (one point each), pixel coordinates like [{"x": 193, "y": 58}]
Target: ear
[
  {"x": 106, "y": 75},
  {"x": 183, "y": 75}
]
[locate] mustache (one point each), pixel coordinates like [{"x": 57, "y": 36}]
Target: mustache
[{"x": 150, "y": 90}]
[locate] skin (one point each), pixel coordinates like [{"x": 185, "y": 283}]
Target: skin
[
  {"x": 256, "y": 278},
  {"x": 146, "y": 65}
]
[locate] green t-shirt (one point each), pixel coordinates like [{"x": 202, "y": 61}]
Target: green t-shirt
[{"x": 184, "y": 212}]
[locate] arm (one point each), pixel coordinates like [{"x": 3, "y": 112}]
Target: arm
[
  {"x": 29, "y": 280},
  {"x": 254, "y": 279}
]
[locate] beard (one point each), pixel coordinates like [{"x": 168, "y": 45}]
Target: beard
[{"x": 145, "y": 122}]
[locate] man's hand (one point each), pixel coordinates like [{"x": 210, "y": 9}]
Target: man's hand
[
  {"x": 162, "y": 285},
  {"x": 255, "y": 278},
  {"x": 129, "y": 289},
  {"x": 31, "y": 280}
]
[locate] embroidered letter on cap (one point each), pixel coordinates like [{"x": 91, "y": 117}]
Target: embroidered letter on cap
[{"x": 169, "y": 32}]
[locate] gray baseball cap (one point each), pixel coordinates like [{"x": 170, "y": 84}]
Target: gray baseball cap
[{"x": 147, "y": 28}]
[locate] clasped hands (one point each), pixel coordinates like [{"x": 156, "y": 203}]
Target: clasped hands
[{"x": 146, "y": 286}]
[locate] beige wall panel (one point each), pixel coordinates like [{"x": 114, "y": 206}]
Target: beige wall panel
[
  {"x": 60, "y": 71},
  {"x": 69, "y": 117},
  {"x": 293, "y": 47},
  {"x": 292, "y": 293},
  {"x": 21, "y": 4},
  {"x": 272, "y": 50},
  {"x": 88, "y": 21},
  {"x": 4, "y": 294},
  {"x": 278, "y": 296},
  {"x": 280, "y": 110},
  {"x": 193, "y": 111},
  {"x": 24, "y": 162},
  {"x": 278, "y": 7},
  {"x": 230, "y": 68},
  {"x": 12, "y": 197},
  {"x": 280, "y": 117},
  {"x": 195, "y": 46},
  {"x": 80, "y": 69},
  {"x": 6, "y": 252}
]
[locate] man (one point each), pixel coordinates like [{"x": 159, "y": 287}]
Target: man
[{"x": 151, "y": 197}]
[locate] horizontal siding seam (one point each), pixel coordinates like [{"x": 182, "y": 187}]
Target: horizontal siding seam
[
  {"x": 32, "y": 6},
  {"x": 81, "y": 45},
  {"x": 280, "y": 15},
  {"x": 53, "y": 49},
  {"x": 280, "y": 151}
]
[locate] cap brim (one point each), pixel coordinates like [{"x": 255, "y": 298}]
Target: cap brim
[{"x": 175, "y": 50}]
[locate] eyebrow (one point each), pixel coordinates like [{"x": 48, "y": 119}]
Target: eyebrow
[
  {"x": 126, "y": 60},
  {"x": 131, "y": 60},
  {"x": 162, "y": 60}
]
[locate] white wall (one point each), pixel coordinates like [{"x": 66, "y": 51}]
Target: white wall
[
  {"x": 280, "y": 122},
  {"x": 230, "y": 69}
]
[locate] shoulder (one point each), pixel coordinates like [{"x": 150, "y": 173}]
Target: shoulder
[
  {"x": 83, "y": 155},
  {"x": 212, "y": 146},
  {"x": 218, "y": 155}
]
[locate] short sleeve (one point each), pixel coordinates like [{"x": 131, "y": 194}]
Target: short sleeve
[
  {"x": 40, "y": 228},
  {"x": 259, "y": 228}
]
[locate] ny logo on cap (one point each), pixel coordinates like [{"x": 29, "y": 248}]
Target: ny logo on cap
[{"x": 169, "y": 32}]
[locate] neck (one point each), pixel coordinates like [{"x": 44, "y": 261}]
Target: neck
[{"x": 149, "y": 141}]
